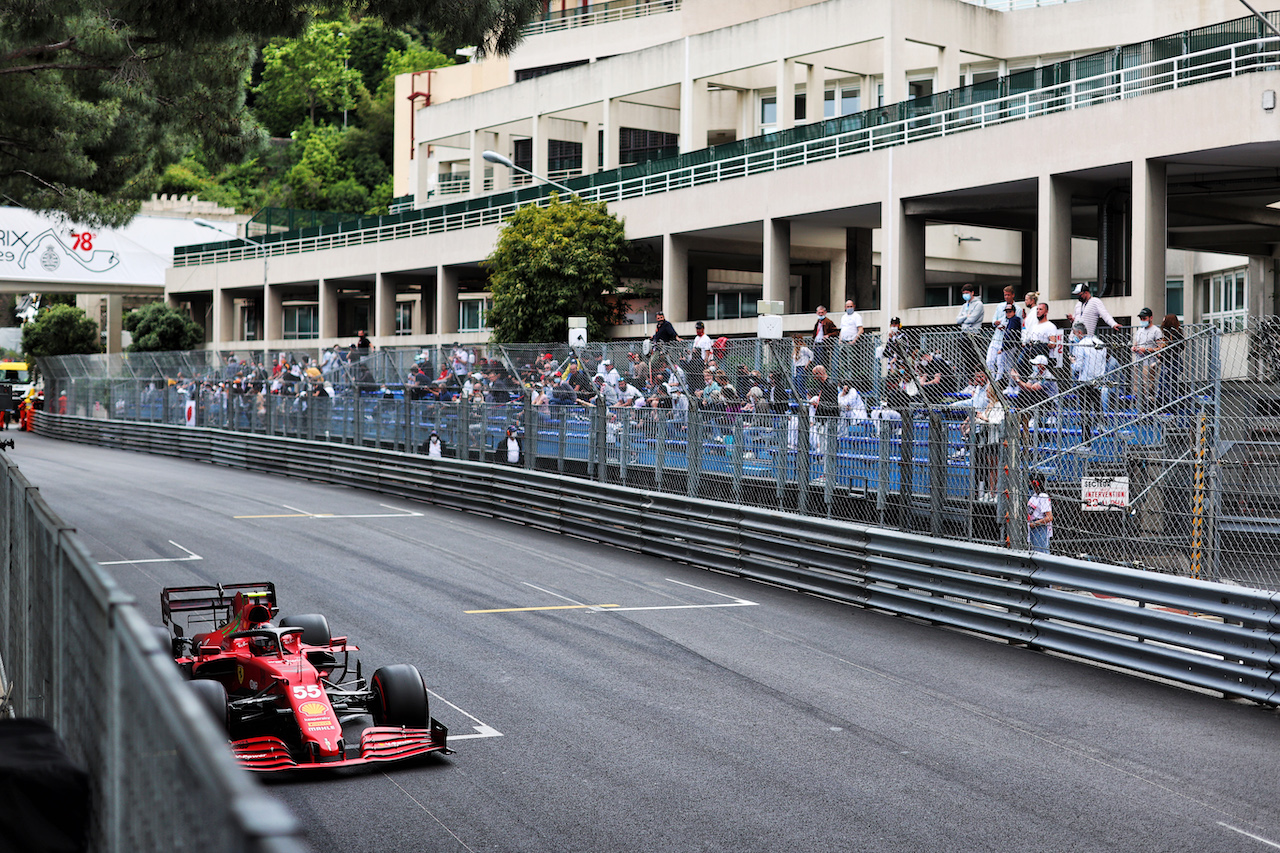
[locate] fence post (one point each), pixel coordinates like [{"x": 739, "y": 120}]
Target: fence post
[
  {"x": 906, "y": 467},
  {"x": 1011, "y": 502},
  {"x": 804, "y": 453},
  {"x": 883, "y": 468},
  {"x": 830, "y": 441},
  {"x": 624, "y": 448},
  {"x": 693, "y": 451},
  {"x": 560, "y": 449},
  {"x": 531, "y": 424},
  {"x": 660, "y": 448},
  {"x": 937, "y": 470},
  {"x": 737, "y": 458}
]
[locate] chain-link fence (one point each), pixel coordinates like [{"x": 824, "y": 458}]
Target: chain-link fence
[
  {"x": 80, "y": 656},
  {"x": 1152, "y": 447}
]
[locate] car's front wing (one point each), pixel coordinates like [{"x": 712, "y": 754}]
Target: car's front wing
[{"x": 377, "y": 744}]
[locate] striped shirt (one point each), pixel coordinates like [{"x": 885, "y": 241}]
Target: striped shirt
[{"x": 1091, "y": 312}]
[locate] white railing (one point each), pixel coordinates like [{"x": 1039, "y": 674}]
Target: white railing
[
  {"x": 599, "y": 13},
  {"x": 1162, "y": 75}
]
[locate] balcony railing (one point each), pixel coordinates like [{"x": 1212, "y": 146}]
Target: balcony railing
[
  {"x": 598, "y": 13},
  {"x": 1172, "y": 62},
  {"x": 1016, "y": 5}
]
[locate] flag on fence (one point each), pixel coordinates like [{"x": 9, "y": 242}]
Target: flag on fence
[{"x": 191, "y": 412}]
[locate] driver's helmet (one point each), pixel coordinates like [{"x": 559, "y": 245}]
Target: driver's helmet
[{"x": 262, "y": 645}]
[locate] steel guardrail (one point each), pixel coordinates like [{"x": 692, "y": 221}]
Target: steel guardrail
[
  {"x": 1209, "y": 635},
  {"x": 82, "y": 658}
]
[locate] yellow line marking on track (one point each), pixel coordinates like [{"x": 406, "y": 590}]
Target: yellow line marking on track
[{"x": 549, "y": 607}]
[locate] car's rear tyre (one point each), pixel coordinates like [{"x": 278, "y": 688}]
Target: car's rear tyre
[
  {"x": 214, "y": 697},
  {"x": 166, "y": 642},
  {"x": 315, "y": 628},
  {"x": 399, "y": 697}
]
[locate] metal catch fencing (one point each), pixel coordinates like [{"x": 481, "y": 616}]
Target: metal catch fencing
[
  {"x": 1162, "y": 459},
  {"x": 81, "y": 657}
]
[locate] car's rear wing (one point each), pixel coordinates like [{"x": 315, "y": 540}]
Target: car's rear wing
[{"x": 212, "y": 605}]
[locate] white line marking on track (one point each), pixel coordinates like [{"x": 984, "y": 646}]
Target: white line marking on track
[
  {"x": 428, "y": 811},
  {"x": 736, "y": 602},
  {"x": 597, "y": 608},
  {"x": 191, "y": 555},
  {"x": 302, "y": 513},
  {"x": 1257, "y": 838},
  {"x": 482, "y": 728}
]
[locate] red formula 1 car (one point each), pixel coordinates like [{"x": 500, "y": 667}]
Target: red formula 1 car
[{"x": 283, "y": 689}]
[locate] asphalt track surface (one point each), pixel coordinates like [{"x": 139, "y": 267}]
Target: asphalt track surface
[{"x": 695, "y": 712}]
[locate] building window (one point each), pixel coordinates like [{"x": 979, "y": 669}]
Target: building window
[
  {"x": 301, "y": 322},
  {"x": 732, "y": 306},
  {"x": 473, "y": 314},
  {"x": 564, "y": 156},
  {"x": 1226, "y": 300},
  {"x": 404, "y": 318},
  {"x": 1173, "y": 298},
  {"x": 530, "y": 73}
]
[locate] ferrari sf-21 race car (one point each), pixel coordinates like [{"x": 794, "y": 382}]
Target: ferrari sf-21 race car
[{"x": 283, "y": 689}]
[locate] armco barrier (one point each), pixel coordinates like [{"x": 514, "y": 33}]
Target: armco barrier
[
  {"x": 1213, "y": 636},
  {"x": 81, "y": 657}
]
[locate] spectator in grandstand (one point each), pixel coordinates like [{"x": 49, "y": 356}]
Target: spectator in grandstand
[
  {"x": 825, "y": 397},
  {"x": 1010, "y": 343},
  {"x": 995, "y": 365},
  {"x": 433, "y": 447},
  {"x": 1147, "y": 340},
  {"x": 604, "y": 391},
  {"x": 989, "y": 422},
  {"x": 1091, "y": 310},
  {"x": 936, "y": 377},
  {"x": 1042, "y": 337},
  {"x": 1039, "y": 515},
  {"x": 974, "y": 399},
  {"x": 609, "y": 372},
  {"x": 638, "y": 370},
  {"x": 702, "y": 345},
  {"x": 801, "y": 358},
  {"x": 825, "y": 333},
  {"x": 509, "y": 447},
  {"x": 851, "y": 408},
  {"x": 1028, "y": 313},
  {"x": 1088, "y": 365},
  {"x": 664, "y": 331},
  {"x": 1035, "y": 388},
  {"x": 970, "y": 317}
]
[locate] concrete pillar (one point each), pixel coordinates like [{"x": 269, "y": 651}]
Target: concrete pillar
[
  {"x": 328, "y": 291},
  {"x": 746, "y": 113},
  {"x": 675, "y": 278},
  {"x": 948, "y": 69},
  {"x": 776, "y": 261},
  {"x": 694, "y": 114},
  {"x": 1149, "y": 220},
  {"x": 815, "y": 86},
  {"x": 902, "y": 257},
  {"x": 786, "y": 94},
  {"x": 541, "y": 136},
  {"x": 446, "y": 300},
  {"x": 868, "y": 92},
  {"x": 114, "y": 322},
  {"x": 895, "y": 69},
  {"x": 384, "y": 306},
  {"x": 478, "y": 139},
  {"x": 273, "y": 312},
  {"x": 224, "y": 316},
  {"x": 590, "y": 148},
  {"x": 610, "y": 133},
  {"x": 502, "y": 175},
  {"x": 1054, "y": 238},
  {"x": 859, "y": 280}
]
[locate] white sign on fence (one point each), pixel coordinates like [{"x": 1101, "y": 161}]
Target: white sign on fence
[{"x": 1104, "y": 493}]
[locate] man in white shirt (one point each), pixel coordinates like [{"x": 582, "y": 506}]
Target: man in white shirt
[
  {"x": 609, "y": 372},
  {"x": 850, "y": 331},
  {"x": 1088, "y": 364},
  {"x": 995, "y": 364},
  {"x": 1147, "y": 340},
  {"x": 1043, "y": 336},
  {"x": 702, "y": 342},
  {"x": 1091, "y": 310}
]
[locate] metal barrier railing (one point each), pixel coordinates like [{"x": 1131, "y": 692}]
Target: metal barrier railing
[
  {"x": 1182, "y": 59},
  {"x": 598, "y": 13},
  {"x": 1214, "y": 636},
  {"x": 81, "y": 657}
]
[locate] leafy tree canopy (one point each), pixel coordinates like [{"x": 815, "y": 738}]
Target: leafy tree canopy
[
  {"x": 99, "y": 100},
  {"x": 554, "y": 262},
  {"x": 156, "y": 327},
  {"x": 60, "y": 330}
]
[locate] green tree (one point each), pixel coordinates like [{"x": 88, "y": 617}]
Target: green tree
[
  {"x": 60, "y": 330},
  {"x": 554, "y": 262},
  {"x": 158, "y": 328},
  {"x": 99, "y": 99},
  {"x": 305, "y": 76}
]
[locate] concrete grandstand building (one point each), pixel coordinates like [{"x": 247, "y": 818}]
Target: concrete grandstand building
[{"x": 888, "y": 151}]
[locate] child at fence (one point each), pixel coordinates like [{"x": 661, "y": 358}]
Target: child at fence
[{"x": 1039, "y": 515}]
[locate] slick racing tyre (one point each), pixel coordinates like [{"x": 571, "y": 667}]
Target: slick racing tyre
[
  {"x": 399, "y": 697},
  {"x": 315, "y": 628},
  {"x": 214, "y": 697}
]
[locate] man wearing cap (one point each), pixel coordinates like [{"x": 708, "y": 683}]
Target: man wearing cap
[
  {"x": 702, "y": 342},
  {"x": 1147, "y": 340},
  {"x": 1010, "y": 342},
  {"x": 1037, "y": 387},
  {"x": 609, "y": 372},
  {"x": 995, "y": 364},
  {"x": 1091, "y": 310}
]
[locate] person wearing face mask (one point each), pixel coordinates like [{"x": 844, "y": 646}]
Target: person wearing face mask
[
  {"x": 1091, "y": 310},
  {"x": 1147, "y": 340},
  {"x": 1088, "y": 365},
  {"x": 825, "y": 333},
  {"x": 970, "y": 317},
  {"x": 850, "y": 331}
]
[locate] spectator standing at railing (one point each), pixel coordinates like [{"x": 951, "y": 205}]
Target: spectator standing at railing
[
  {"x": 825, "y": 335},
  {"x": 850, "y": 331},
  {"x": 609, "y": 372},
  {"x": 1042, "y": 337},
  {"x": 988, "y": 421},
  {"x": 1091, "y": 310},
  {"x": 1147, "y": 340},
  {"x": 999, "y": 322},
  {"x": 702, "y": 345},
  {"x": 1035, "y": 388},
  {"x": 801, "y": 358},
  {"x": 664, "y": 332},
  {"x": 433, "y": 447},
  {"x": 1088, "y": 365},
  {"x": 509, "y": 447},
  {"x": 970, "y": 317},
  {"x": 825, "y": 397},
  {"x": 1039, "y": 516}
]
